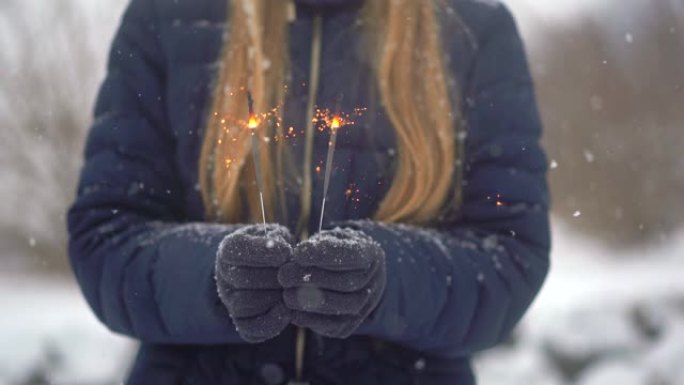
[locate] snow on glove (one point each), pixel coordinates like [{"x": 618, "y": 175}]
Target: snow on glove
[
  {"x": 247, "y": 266},
  {"x": 334, "y": 281}
]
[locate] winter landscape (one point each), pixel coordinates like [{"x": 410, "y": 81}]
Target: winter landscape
[
  {"x": 609, "y": 82},
  {"x": 598, "y": 321}
]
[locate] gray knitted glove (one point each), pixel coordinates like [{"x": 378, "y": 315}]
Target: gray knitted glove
[
  {"x": 334, "y": 281},
  {"x": 247, "y": 266}
]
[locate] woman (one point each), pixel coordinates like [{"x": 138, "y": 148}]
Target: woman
[{"x": 435, "y": 236}]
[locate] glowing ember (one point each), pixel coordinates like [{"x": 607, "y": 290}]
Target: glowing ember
[
  {"x": 253, "y": 122},
  {"x": 336, "y": 122},
  {"x": 350, "y": 191},
  {"x": 231, "y": 124}
]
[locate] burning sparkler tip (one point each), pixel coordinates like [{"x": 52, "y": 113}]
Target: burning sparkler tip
[
  {"x": 336, "y": 122},
  {"x": 253, "y": 122}
]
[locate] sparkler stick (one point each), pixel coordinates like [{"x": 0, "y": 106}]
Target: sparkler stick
[
  {"x": 334, "y": 126},
  {"x": 252, "y": 124}
]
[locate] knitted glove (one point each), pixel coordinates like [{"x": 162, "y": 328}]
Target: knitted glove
[
  {"x": 334, "y": 281},
  {"x": 247, "y": 266}
]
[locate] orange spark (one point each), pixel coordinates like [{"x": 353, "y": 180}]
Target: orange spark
[
  {"x": 336, "y": 122},
  {"x": 324, "y": 118},
  {"x": 253, "y": 122}
]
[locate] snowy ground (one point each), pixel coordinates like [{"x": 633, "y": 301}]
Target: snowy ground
[
  {"x": 604, "y": 317},
  {"x": 49, "y": 336},
  {"x": 600, "y": 320}
]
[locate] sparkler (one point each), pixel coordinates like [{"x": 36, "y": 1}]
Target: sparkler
[
  {"x": 334, "y": 124},
  {"x": 252, "y": 124}
]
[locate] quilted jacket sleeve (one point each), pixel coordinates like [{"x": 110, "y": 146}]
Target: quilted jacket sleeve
[
  {"x": 462, "y": 287},
  {"x": 143, "y": 273}
]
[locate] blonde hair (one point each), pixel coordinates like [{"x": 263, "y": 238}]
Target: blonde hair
[{"x": 411, "y": 78}]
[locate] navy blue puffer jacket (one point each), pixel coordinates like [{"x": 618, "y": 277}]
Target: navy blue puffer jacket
[{"x": 144, "y": 256}]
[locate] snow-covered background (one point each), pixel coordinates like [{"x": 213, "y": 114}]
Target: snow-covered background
[
  {"x": 600, "y": 320},
  {"x": 610, "y": 82}
]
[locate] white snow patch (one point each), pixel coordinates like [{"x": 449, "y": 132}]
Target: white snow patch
[
  {"x": 614, "y": 372},
  {"x": 47, "y": 328},
  {"x": 584, "y": 316}
]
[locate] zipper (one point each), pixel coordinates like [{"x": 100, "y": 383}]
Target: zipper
[{"x": 307, "y": 178}]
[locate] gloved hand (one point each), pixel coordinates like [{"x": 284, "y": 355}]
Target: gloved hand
[
  {"x": 247, "y": 266},
  {"x": 334, "y": 281}
]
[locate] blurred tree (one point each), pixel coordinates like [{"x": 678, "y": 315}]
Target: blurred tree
[
  {"x": 51, "y": 62},
  {"x": 610, "y": 92}
]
